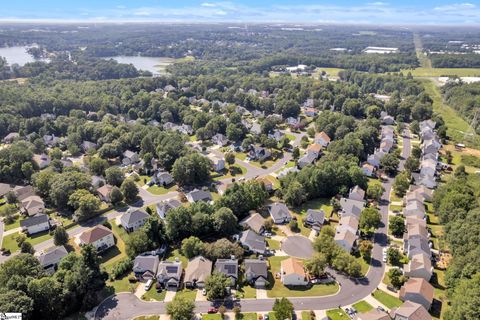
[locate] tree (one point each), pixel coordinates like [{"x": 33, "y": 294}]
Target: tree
[
  {"x": 63, "y": 185},
  {"x": 16, "y": 301},
  {"x": 60, "y": 236},
  {"x": 192, "y": 247},
  {"x": 294, "y": 194},
  {"x": 412, "y": 164},
  {"x": 397, "y": 226},
  {"x": 180, "y": 308},
  {"x": 84, "y": 203},
  {"x": 116, "y": 196},
  {"x": 375, "y": 191},
  {"x": 47, "y": 297},
  {"x": 397, "y": 279},
  {"x": 223, "y": 249},
  {"x": 365, "y": 248},
  {"x": 460, "y": 172},
  {"x": 114, "y": 176},
  {"x": 224, "y": 221},
  {"x": 243, "y": 197},
  {"x": 98, "y": 166},
  {"x": 393, "y": 256},
  {"x": 296, "y": 153},
  {"x": 27, "y": 247},
  {"x": 401, "y": 183},
  {"x": 283, "y": 308},
  {"x": 316, "y": 265},
  {"x": 230, "y": 158},
  {"x": 191, "y": 169},
  {"x": 136, "y": 243},
  {"x": 370, "y": 219},
  {"x": 216, "y": 285},
  {"x": 389, "y": 163},
  {"x": 465, "y": 300},
  {"x": 129, "y": 189}
]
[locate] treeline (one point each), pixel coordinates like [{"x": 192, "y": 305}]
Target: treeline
[
  {"x": 464, "y": 98},
  {"x": 457, "y": 207},
  {"x": 468, "y": 60}
]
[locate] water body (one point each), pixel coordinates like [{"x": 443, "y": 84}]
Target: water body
[
  {"x": 17, "y": 55},
  {"x": 156, "y": 65}
]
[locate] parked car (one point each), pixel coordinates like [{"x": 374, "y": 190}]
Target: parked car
[
  {"x": 212, "y": 310},
  {"x": 267, "y": 234},
  {"x": 148, "y": 285},
  {"x": 204, "y": 291}
]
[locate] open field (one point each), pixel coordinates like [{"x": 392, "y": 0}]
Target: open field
[{"x": 440, "y": 72}]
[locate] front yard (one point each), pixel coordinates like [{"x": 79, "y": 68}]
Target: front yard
[
  {"x": 152, "y": 294},
  {"x": 386, "y": 299},
  {"x": 337, "y": 314},
  {"x": 9, "y": 241},
  {"x": 232, "y": 171},
  {"x": 156, "y": 190}
]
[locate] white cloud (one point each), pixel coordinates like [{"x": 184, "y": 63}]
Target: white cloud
[
  {"x": 208, "y": 4},
  {"x": 377, "y": 3},
  {"x": 456, "y": 7}
]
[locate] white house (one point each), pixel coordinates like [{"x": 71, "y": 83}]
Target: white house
[
  {"x": 130, "y": 157},
  {"x": 279, "y": 213},
  {"x": 165, "y": 206},
  {"x": 99, "y": 236},
  {"x": 322, "y": 139},
  {"x": 134, "y": 219},
  {"x": 218, "y": 164},
  {"x": 37, "y": 223},
  {"x": 292, "y": 273},
  {"x": 162, "y": 178},
  {"x": 42, "y": 160}
]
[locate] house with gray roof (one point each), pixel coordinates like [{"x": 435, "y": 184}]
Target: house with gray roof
[
  {"x": 356, "y": 193},
  {"x": 307, "y": 159},
  {"x": 134, "y": 219},
  {"x": 314, "y": 219},
  {"x": 170, "y": 274},
  {"x": 256, "y": 272},
  {"x": 228, "y": 267},
  {"x": 279, "y": 213},
  {"x": 197, "y": 272},
  {"x": 253, "y": 241},
  {"x": 351, "y": 207},
  {"x": 255, "y": 222},
  {"x": 220, "y": 140},
  {"x": 199, "y": 195},
  {"x": 35, "y": 224},
  {"x": 50, "y": 258},
  {"x": 419, "y": 266},
  {"x": 145, "y": 266},
  {"x": 165, "y": 206}
]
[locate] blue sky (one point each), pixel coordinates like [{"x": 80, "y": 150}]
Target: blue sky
[{"x": 427, "y": 12}]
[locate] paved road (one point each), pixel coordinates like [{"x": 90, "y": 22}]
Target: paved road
[{"x": 127, "y": 306}]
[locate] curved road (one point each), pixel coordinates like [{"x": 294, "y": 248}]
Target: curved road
[{"x": 128, "y": 306}]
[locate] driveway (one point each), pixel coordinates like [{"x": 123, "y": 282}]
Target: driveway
[{"x": 298, "y": 246}]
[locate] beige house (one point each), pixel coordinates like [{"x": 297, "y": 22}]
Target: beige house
[
  {"x": 322, "y": 139},
  {"x": 410, "y": 311},
  {"x": 292, "y": 273},
  {"x": 99, "y": 236},
  {"x": 32, "y": 205},
  {"x": 417, "y": 290},
  {"x": 104, "y": 192},
  {"x": 197, "y": 271},
  {"x": 419, "y": 266}
]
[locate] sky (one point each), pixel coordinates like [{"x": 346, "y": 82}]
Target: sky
[{"x": 406, "y": 12}]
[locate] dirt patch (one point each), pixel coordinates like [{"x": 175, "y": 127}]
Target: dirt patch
[{"x": 466, "y": 150}]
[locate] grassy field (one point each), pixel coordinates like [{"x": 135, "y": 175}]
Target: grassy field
[
  {"x": 247, "y": 316},
  {"x": 156, "y": 190},
  {"x": 332, "y": 72},
  {"x": 386, "y": 299},
  {"x": 273, "y": 244},
  {"x": 363, "y": 306},
  {"x": 441, "y": 72},
  {"x": 10, "y": 243},
  {"x": 122, "y": 284},
  {"x": 337, "y": 314},
  {"x": 247, "y": 292},
  {"x": 316, "y": 204},
  {"x": 147, "y": 318},
  {"x": 187, "y": 293}
]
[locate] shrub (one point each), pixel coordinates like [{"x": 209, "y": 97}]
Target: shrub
[{"x": 121, "y": 268}]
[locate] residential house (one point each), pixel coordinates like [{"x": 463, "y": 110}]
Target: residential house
[
  {"x": 419, "y": 291},
  {"x": 134, "y": 219},
  {"x": 51, "y": 140},
  {"x": 306, "y": 160},
  {"x": 387, "y": 119},
  {"x": 286, "y": 171},
  {"x": 165, "y": 206},
  {"x": 256, "y": 272},
  {"x": 32, "y": 205},
  {"x": 4, "y": 189},
  {"x": 35, "y": 224},
  {"x": 292, "y": 272},
  {"x": 259, "y": 153},
  {"x": 220, "y": 140},
  {"x": 375, "y": 158},
  {"x": 356, "y": 193},
  {"x": 315, "y": 149},
  {"x": 314, "y": 219},
  {"x": 12, "y": 136},
  {"x": 162, "y": 178},
  {"x": 218, "y": 164},
  {"x": 254, "y": 222},
  {"x": 98, "y": 181},
  {"x": 99, "y": 236},
  {"x": 169, "y": 88},
  {"x": 419, "y": 266},
  {"x": 373, "y": 314},
  {"x": 291, "y": 121},
  {"x": 228, "y": 267},
  {"x": 428, "y": 167},
  {"x": 417, "y": 245},
  {"x": 410, "y": 311},
  {"x": 276, "y": 134},
  {"x": 368, "y": 169},
  {"x": 258, "y": 114},
  {"x": 253, "y": 241},
  {"x": 170, "y": 274},
  {"x": 130, "y": 157},
  {"x": 279, "y": 213},
  {"x": 104, "y": 192},
  {"x": 322, "y": 139},
  {"x": 199, "y": 195},
  {"x": 255, "y": 129},
  {"x": 351, "y": 207},
  {"x": 42, "y": 160},
  {"x": 414, "y": 208},
  {"x": 23, "y": 192},
  {"x": 426, "y": 193},
  {"x": 87, "y": 145},
  {"x": 197, "y": 272},
  {"x": 426, "y": 181},
  {"x": 346, "y": 239},
  {"x": 50, "y": 258},
  {"x": 145, "y": 267},
  {"x": 411, "y": 196},
  {"x": 267, "y": 182},
  {"x": 311, "y": 112}
]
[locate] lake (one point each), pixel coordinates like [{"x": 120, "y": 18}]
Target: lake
[
  {"x": 17, "y": 54},
  {"x": 155, "y": 65}
]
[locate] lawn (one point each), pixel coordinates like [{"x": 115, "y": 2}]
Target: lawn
[
  {"x": 247, "y": 316},
  {"x": 290, "y": 137},
  {"x": 147, "y": 318},
  {"x": 238, "y": 170},
  {"x": 386, "y": 299},
  {"x": 241, "y": 155},
  {"x": 316, "y": 204},
  {"x": 307, "y": 316},
  {"x": 332, "y": 72},
  {"x": 247, "y": 292},
  {"x": 116, "y": 253},
  {"x": 152, "y": 294},
  {"x": 337, "y": 314},
  {"x": 142, "y": 180},
  {"x": 365, "y": 265},
  {"x": 15, "y": 224},
  {"x": 277, "y": 289},
  {"x": 156, "y": 190},
  {"x": 214, "y": 316},
  {"x": 176, "y": 254},
  {"x": 273, "y": 244},
  {"x": 122, "y": 284},
  {"x": 440, "y": 72},
  {"x": 362, "y": 306},
  {"x": 10, "y": 243},
  {"x": 187, "y": 293}
]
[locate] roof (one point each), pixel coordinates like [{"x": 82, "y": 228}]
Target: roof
[
  {"x": 356, "y": 193},
  {"x": 255, "y": 222},
  {"x": 253, "y": 240},
  {"x": 132, "y": 216},
  {"x": 293, "y": 266},
  {"x": 346, "y": 235},
  {"x": 315, "y": 216},
  {"x": 323, "y": 136},
  {"x": 94, "y": 234},
  {"x": 146, "y": 263},
  {"x": 315, "y": 147},
  {"x": 105, "y": 190},
  {"x": 168, "y": 204},
  {"x": 52, "y": 255},
  {"x": 172, "y": 269},
  {"x": 229, "y": 267},
  {"x": 198, "y": 195},
  {"x": 419, "y": 244},
  {"x": 279, "y": 210},
  {"x": 129, "y": 154},
  {"x": 416, "y": 230},
  {"x": 34, "y": 220},
  {"x": 4, "y": 189},
  {"x": 32, "y": 202},
  {"x": 418, "y": 286},
  {"x": 256, "y": 267},
  {"x": 419, "y": 261},
  {"x": 373, "y": 314},
  {"x": 412, "y": 311},
  {"x": 351, "y": 207},
  {"x": 198, "y": 269}
]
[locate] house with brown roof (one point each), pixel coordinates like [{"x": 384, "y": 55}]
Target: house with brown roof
[
  {"x": 322, "y": 139},
  {"x": 368, "y": 169},
  {"x": 410, "y": 311},
  {"x": 267, "y": 182},
  {"x": 104, "y": 192},
  {"x": 373, "y": 314},
  {"x": 292, "y": 272},
  {"x": 254, "y": 222},
  {"x": 419, "y": 266},
  {"x": 419, "y": 291},
  {"x": 99, "y": 236},
  {"x": 197, "y": 271},
  {"x": 315, "y": 149}
]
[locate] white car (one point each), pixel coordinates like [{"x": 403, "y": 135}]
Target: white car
[
  {"x": 204, "y": 291},
  {"x": 148, "y": 285}
]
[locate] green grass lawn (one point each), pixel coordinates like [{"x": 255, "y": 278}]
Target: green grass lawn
[
  {"x": 247, "y": 292},
  {"x": 290, "y": 137},
  {"x": 247, "y": 316},
  {"x": 15, "y": 224},
  {"x": 440, "y": 72},
  {"x": 122, "y": 284},
  {"x": 362, "y": 306},
  {"x": 307, "y": 316},
  {"x": 332, "y": 72},
  {"x": 316, "y": 204},
  {"x": 152, "y": 294},
  {"x": 337, "y": 314},
  {"x": 176, "y": 254},
  {"x": 187, "y": 293},
  {"x": 118, "y": 252},
  {"x": 147, "y": 318},
  {"x": 241, "y": 155},
  {"x": 277, "y": 289},
  {"x": 238, "y": 170},
  {"x": 386, "y": 299},
  {"x": 142, "y": 180},
  {"x": 156, "y": 190},
  {"x": 273, "y": 244},
  {"x": 365, "y": 265},
  {"x": 215, "y": 316},
  {"x": 10, "y": 243}
]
